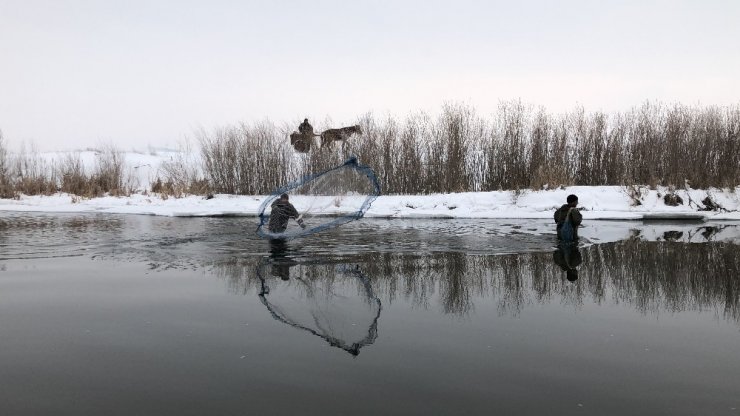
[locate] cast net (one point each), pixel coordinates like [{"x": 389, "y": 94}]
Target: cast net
[
  {"x": 333, "y": 301},
  {"x": 319, "y": 202}
]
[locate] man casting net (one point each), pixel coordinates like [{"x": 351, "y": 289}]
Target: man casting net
[{"x": 319, "y": 202}]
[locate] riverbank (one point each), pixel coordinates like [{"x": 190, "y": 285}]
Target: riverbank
[{"x": 597, "y": 203}]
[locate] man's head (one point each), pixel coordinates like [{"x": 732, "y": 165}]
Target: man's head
[
  {"x": 284, "y": 197},
  {"x": 572, "y": 275},
  {"x": 305, "y": 120},
  {"x": 572, "y": 200}
]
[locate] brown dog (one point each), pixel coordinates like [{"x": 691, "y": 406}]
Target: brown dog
[{"x": 332, "y": 135}]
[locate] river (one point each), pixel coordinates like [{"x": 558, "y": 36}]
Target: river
[{"x": 115, "y": 314}]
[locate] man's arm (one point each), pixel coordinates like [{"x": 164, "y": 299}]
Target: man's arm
[
  {"x": 293, "y": 213},
  {"x": 576, "y": 217},
  {"x": 558, "y": 216}
]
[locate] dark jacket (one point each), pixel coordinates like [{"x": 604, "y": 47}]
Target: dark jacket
[
  {"x": 561, "y": 214},
  {"x": 282, "y": 211},
  {"x": 306, "y": 129}
]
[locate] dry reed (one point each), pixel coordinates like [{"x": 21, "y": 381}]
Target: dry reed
[{"x": 518, "y": 147}]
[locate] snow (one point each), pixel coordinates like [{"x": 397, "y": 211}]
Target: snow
[{"x": 597, "y": 202}]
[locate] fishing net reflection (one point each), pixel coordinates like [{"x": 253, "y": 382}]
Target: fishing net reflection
[{"x": 333, "y": 301}]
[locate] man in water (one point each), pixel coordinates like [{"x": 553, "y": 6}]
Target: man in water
[
  {"x": 568, "y": 212},
  {"x": 282, "y": 212},
  {"x": 306, "y": 129}
]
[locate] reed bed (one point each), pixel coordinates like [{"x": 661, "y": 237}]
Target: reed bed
[
  {"x": 27, "y": 172},
  {"x": 518, "y": 147}
]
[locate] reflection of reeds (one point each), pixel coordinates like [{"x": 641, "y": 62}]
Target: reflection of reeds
[{"x": 652, "y": 277}]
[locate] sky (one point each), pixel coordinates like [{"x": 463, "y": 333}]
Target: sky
[{"x": 138, "y": 74}]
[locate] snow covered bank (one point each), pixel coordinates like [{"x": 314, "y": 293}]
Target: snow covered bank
[{"x": 598, "y": 203}]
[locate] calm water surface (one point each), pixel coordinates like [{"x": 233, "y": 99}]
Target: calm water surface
[{"x": 137, "y": 315}]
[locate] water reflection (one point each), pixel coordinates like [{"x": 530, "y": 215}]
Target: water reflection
[
  {"x": 649, "y": 267},
  {"x": 57, "y": 235},
  {"x": 568, "y": 258},
  {"x": 651, "y": 277},
  {"x": 280, "y": 262},
  {"x": 335, "y": 302}
]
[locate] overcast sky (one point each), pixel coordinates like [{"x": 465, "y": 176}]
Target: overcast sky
[{"x": 77, "y": 73}]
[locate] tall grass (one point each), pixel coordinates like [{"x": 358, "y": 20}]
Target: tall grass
[
  {"x": 517, "y": 147},
  {"x": 31, "y": 174},
  {"x": 28, "y": 172},
  {"x": 246, "y": 159},
  {"x": 181, "y": 175},
  {"x": 108, "y": 176},
  {"x": 6, "y": 185}
]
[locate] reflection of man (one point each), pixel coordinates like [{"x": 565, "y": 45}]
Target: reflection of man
[
  {"x": 568, "y": 258},
  {"x": 282, "y": 212},
  {"x": 281, "y": 263}
]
